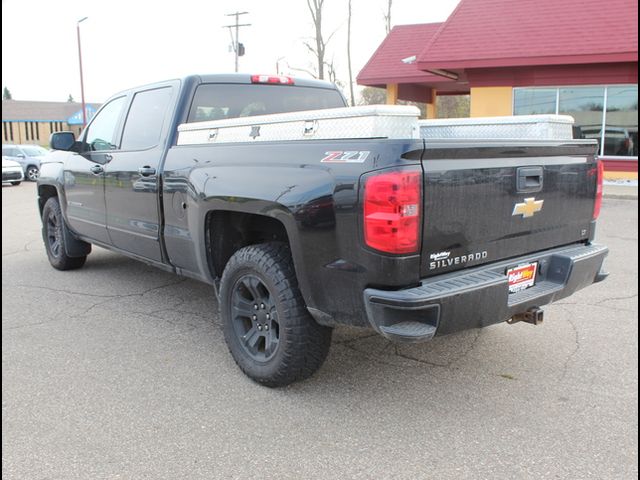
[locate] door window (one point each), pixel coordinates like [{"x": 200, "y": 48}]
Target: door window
[
  {"x": 145, "y": 119},
  {"x": 102, "y": 131}
]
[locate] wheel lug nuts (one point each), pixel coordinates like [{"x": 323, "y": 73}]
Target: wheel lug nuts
[
  {"x": 260, "y": 327},
  {"x": 266, "y": 327},
  {"x": 262, "y": 306},
  {"x": 268, "y": 316},
  {"x": 254, "y": 317}
]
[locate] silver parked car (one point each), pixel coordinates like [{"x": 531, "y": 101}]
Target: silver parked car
[
  {"x": 29, "y": 156},
  {"x": 11, "y": 172}
]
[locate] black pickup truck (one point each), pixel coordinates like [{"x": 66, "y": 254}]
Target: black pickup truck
[{"x": 303, "y": 214}]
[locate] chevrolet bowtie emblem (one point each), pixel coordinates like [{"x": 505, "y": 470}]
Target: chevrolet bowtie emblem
[{"x": 528, "y": 207}]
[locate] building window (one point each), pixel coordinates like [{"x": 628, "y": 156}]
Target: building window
[
  {"x": 586, "y": 106},
  {"x": 614, "y": 107},
  {"x": 621, "y": 120},
  {"x": 11, "y": 130},
  {"x": 5, "y": 132},
  {"x": 26, "y": 130},
  {"x": 535, "y": 101}
]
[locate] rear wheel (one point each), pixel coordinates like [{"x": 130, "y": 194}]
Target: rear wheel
[
  {"x": 32, "y": 173},
  {"x": 267, "y": 327},
  {"x": 54, "y": 238}
]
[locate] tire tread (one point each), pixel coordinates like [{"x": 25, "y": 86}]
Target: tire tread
[{"x": 307, "y": 343}]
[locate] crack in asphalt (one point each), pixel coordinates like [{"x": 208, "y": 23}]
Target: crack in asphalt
[
  {"x": 418, "y": 360},
  {"x": 618, "y": 237},
  {"x": 352, "y": 340},
  {"x": 25, "y": 248},
  {"x": 577, "y": 346},
  {"x": 613, "y": 299},
  {"x": 106, "y": 299},
  {"x": 349, "y": 344},
  {"x": 601, "y": 303},
  {"x": 83, "y": 294},
  {"x": 377, "y": 360}
]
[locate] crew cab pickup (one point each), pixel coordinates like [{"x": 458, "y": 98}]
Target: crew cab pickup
[{"x": 304, "y": 214}]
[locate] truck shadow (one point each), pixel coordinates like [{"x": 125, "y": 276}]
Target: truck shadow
[{"x": 359, "y": 358}]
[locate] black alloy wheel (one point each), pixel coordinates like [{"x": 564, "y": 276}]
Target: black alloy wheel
[
  {"x": 53, "y": 234},
  {"x": 255, "y": 318},
  {"x": 267, "y": 327}
]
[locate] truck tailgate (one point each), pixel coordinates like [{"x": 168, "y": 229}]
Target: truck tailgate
[{"x": 486, "y": 201}]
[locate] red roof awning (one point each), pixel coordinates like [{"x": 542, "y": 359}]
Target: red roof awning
[
  {"x": 503, "y": 33},
  {"x": 395, "y": 60}
]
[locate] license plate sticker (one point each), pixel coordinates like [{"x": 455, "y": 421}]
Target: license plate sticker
[{"x": 522, "y": 277}]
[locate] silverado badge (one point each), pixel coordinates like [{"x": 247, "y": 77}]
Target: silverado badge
[{"x": 528, "y": 208}]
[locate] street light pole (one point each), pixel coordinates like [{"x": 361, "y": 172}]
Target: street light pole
[{"x": 84, "y": 109}]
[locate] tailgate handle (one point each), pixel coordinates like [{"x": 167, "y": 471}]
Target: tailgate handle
[{"x": 529, "y": 179}]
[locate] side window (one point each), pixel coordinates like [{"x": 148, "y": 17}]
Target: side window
[
  {"x": 102, "y": 131},
  {"x": 146, "y": 116}
]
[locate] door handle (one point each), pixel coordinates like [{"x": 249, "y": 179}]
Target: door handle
[
  {"x": 97, "y": 169},
  {"x": 147, "y": 171},
  {"x": 529, "y": 179}
]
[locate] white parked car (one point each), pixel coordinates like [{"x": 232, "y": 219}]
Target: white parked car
[
  {"x": 29, "y": 156},
  {"x": 11, "y": 172}
]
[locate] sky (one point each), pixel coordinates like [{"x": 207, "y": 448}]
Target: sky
[{"x": 134, "y": 42}]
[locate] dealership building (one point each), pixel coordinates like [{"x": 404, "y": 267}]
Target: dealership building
[{"x": 575, "y": 57}]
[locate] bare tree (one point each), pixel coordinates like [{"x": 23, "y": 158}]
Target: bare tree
[
  {"x": 452, "y": 106},
  {"x": 332, "y": 74},
  {"x": 387, "y": 17},
  {"x": 320, "y": 48},
  {"x": 349, "y": 56},
  {"x": 372, "y": 96}
]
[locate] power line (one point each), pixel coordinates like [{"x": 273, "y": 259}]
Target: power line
[{"x": 238, "y": 48}]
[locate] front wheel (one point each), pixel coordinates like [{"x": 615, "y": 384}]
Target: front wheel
[
  {"x": 54, "y": 238},
  {"x": 267, "y": 327}
]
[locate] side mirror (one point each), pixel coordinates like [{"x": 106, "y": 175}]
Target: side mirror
[{"x": 62, "y": 141}]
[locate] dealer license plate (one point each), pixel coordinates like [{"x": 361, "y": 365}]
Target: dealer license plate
[{"x": 522, "y": 277}]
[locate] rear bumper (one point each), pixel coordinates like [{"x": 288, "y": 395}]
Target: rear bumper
[{"x": 479, "y": 297}]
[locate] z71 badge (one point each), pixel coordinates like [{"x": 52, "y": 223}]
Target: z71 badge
[{"x": 345, "y": 157}]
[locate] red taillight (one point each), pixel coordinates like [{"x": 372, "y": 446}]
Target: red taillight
[
  {"x": 598, "y": 203},
  {"x": 392, "y": 211},
  {"x": 280, "y": 79}
]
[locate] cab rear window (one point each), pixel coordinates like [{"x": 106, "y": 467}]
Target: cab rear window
[{"x": 222, "y": 101}]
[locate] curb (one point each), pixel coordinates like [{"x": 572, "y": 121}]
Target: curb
[
  {"x": 620, "y": 197},
  {"x": 620, "y": 192}
]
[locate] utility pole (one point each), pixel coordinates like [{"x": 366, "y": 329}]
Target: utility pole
[{"x": 238, "y": 48}]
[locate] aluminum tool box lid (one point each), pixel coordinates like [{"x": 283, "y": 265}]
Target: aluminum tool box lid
[
  {"x": 520, "y": 127},
  {"x": 370, "y": 121}
]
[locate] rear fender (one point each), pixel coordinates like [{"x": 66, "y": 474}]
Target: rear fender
[{"x": 292, "y": 196}]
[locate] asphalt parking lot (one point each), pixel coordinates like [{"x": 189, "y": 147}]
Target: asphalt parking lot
[{"x": 120, "y": 370}]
